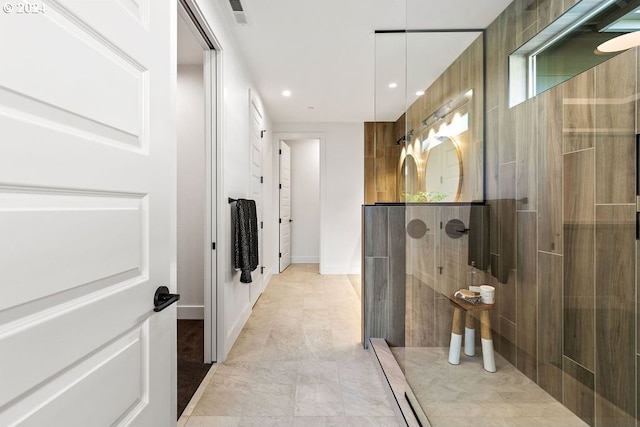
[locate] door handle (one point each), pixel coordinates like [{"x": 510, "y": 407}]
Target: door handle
[
  {"x": 290, "y": 220},
  {"x": 163, "y": 299}
]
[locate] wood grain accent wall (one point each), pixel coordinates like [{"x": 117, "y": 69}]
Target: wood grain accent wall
[
  {"x": 381, "y": 157},
  {"x": 560, "y": 171}
]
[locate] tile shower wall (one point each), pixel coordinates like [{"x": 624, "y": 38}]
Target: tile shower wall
[
  {"x": 437, "y": 265},
  {"x": 383, "y": 274},
  {"x": 560, "y": 179}
]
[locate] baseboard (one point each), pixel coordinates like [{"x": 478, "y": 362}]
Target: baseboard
[
  {"x": 233, "y": 334},
  {"x": 191, "y": 312},
  {"x": 267, "y": 277},
  {"x": 305, "y": 260}
]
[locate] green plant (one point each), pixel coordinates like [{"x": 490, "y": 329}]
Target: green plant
[{"x": 424, "y": 196}]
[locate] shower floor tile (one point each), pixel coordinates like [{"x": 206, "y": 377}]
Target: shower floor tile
[{"x": 467, "y": 395}]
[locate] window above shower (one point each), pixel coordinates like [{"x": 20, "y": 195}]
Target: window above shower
[{"x": 569, "y": 46}]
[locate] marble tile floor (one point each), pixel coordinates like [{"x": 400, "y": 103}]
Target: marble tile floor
[
  {"x": 467, "y": 395},
  {"x": 297, "y": 362}
]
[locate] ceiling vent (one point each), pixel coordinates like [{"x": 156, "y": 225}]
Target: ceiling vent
[{"x": 238, "y": 12}]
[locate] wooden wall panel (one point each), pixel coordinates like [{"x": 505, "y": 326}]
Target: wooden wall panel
[
  {"x": 550, "y": 171},
  {"x": 397, "y": 275},
  {"x": 369, "y": 163},
  {"x": 549, "y": 317},
  {"x": 507, "y": 224},
  {"x": 579, "y": 391},
  {"x": 615, "y": 315},
  {"x": 526, "y": 143},
  {"x": 548, "y": 11},
  {"x": 376, "y": 241},
  {"x": 527, "y": 295},
  {"x": 383, "y": 281},
  {"x": 579, "y": 257},
  {"x": 615, "y": 124},
  {"x": 420, "y": 327},
  {"x": 375, "y": 297},
  {"x": 579, "y": 112},
  {"x": 381, "y": 162}
]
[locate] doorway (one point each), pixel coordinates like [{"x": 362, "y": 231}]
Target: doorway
[
  {"x": 299, "y": 201},
  {"x": 196, "y": 201}
]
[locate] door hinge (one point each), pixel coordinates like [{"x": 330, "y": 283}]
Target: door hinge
[
  {"x": 280, "y": 220},
  {"x": 213, "y": 246},
  {"x": 261, "y": 224},
  {"x": 262, "y": 132},
  {"x": 440, "y": 270},
  {"x": 261, "y": 270},
  {"x": 440, "y": 225},
  {"x": 280, "y": 186},
  {"x": 280, "y": 255},
  {"x": 279, "y": 151},
  {"x": 262, "y": 180}
]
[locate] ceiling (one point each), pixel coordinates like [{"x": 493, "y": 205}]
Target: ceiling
[{"x": 326, "y": 53}]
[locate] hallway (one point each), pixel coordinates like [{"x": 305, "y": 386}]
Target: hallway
[{"x": 297, "y": 362}]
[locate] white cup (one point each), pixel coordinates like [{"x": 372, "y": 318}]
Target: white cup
[{"x": 487, "y": 294}]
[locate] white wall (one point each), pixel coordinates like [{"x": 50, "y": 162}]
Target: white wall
[
  {"x": 342, "y": 190},
  {"x": 305, "y": 200},
  {"x": 233, "y": 297},
  {"x": 191, "y": 188}
]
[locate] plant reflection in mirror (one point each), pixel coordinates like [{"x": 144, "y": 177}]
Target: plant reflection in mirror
[{"x": 424, "y": 196}]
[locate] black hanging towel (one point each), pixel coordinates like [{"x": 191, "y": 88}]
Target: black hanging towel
[{"x": 246, "y": 238}]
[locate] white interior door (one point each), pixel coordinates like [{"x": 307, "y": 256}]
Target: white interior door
[
  {"x": 285, "y": 205},
  {"x": 87, "y": 214},
  {"x": 443, "y": 172},
  {"x": 255, "y": 135}
]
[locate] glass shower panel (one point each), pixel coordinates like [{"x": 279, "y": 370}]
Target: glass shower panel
[
  {"x": 545, "y": 210},
  {"x": 444, "y": 116},
  {"x": 429, "y": 131},
  {"x": 393, "y": 171}
]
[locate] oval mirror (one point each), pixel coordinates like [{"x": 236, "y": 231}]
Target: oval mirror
[
  {"x": 443, "y": 171},
  {"x": 408, "y": 178}
]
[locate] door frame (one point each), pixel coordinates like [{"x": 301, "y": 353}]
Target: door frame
[
  {"x": 280, "y": 136},
  {"x": 212, "y": 68}
]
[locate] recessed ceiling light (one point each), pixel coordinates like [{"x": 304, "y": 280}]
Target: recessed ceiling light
[
  {"x": 393, "y": 85},
  {"x": 623, "y": 42},
  {"x": 286, "y": 93},
  {"x": 420, "y": 93}
]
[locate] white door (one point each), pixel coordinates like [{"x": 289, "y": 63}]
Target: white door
[
  {"x": 443, "y": 172},
  {"x": 87, "y": 200},
  {"x": 285, "y": 205},
  {"x": 255, "y": 136}
]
